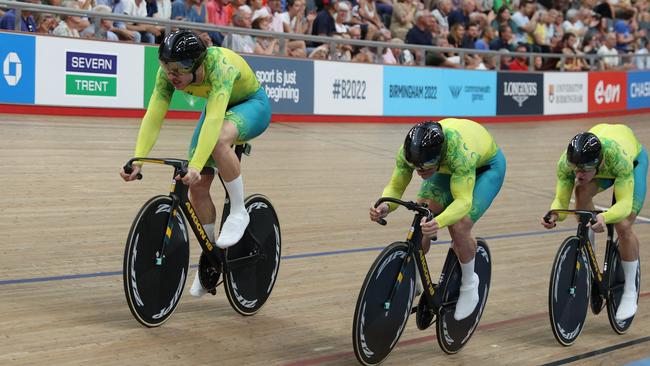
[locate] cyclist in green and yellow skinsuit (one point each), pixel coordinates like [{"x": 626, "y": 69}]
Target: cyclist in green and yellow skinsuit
[
  {"x": 236, "y": 111},
  {"x": 463, "y": 170},
  {"x": 607, "y": 155}
]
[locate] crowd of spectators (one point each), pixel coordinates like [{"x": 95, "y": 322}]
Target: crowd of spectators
[{"x": 616, "y": 30}]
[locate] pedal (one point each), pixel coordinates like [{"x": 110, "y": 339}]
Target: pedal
[
  {"x": 208, "y": 275},
  {"x": 423, "y": 315}
]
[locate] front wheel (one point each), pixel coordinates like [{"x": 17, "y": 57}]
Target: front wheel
[
  {"x": 253, "y": 262},
  {"x": 379, "y": 320},
  {"x": 615, "y": 283},
  {"x": 567, "y": 304},
  {"x": 453, "y": 334},
  {"x": 153, "y": 285}
]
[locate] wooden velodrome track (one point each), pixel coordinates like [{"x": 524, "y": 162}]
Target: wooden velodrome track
[{"x": 65, "y": 214}]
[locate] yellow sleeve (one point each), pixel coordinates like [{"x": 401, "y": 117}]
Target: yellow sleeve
[
  {"x": 153, "y": 118},
  {"x": 400, "y": 179},
  {"x": 211, "y": 128},
  {"x": 624, "y": 192},
  {"x": 461, "y": 186},
  {"x": 563, "y": 187}
]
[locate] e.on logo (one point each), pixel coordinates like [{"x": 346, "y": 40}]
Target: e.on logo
[{"x": 607, "y": 91}]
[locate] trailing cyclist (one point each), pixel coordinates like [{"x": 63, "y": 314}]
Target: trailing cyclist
[
  {"x": 462, "y": 170},
  {"x": 607, "y": 155}
]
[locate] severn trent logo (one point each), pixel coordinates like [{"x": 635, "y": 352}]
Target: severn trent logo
[{"x": 79, "y": 65}]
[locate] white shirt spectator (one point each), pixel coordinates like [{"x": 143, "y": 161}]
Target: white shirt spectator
[
  {"x": 642, "y": 63},
  {"x": 607, "y": 54},
  {"x": 135, "y": 10},
  {"x": 443, "y": 22},
  {"x": 63, "y": 30},
  {"x": 164, "y": 9},
  {"x": 520, "y": 19}
]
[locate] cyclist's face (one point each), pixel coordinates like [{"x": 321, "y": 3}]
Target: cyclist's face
[
  {"x": 426, "y": 172},
  {"x": 178, "y": 76},
  {"x": 584, "y": 176}
]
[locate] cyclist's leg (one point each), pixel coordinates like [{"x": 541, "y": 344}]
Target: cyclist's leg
[
  {"x": 243, "y": 122},
  {"x": 628, "y": 241},
  {"x": 487, "y": 186}
]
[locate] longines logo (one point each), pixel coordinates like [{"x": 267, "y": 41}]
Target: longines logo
[{"x": 519, "y": 91}]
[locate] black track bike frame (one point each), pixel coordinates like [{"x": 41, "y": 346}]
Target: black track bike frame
[{"x": 179, "y": 195}]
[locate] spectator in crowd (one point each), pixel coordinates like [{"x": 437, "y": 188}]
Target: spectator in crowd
[
  {"x": 520, "y": 62},
  {"x": 470, "y": 37},
  {"x": 320, "y": 53},
  {"x": 164, "y": 9},
  {"x": 324, "y": 24},
  {"x": 589, "y": 45},
  {"x": 402, "y": 55},
  {"x": 152, "y": 8},
  {"x": 239, "y": 42},
  {"x": 504, "y": 41},
  {"x": 27, "y": 23},
  {"x": 483, "y": 43},
  {"x": 455, "y": 37},
  {"x": 642, "y": 59},
  {"x": 385, "y": 10},
  {"x": 341, "y": 17},
  {"x": 505, "y": 58},
  {"x": 231, "y": 8},
  {"x": 420, "y": 33},
  {"x": 69, "y": 25},
  {"x": 574, "y": 25},
  {"x": 490, "y": 62},
  {"x": 624, "y": 33},
  {"x": 255, "y": 5},
  {"x": 299, "y": 23},
  {"x": 441, "y": 13},
  {"x": 403, "y": 17},
  {"x": 120, "y": 29},
  {"x": 609, "y": 53},
  {"x": 461, "y": 14},
  {"x": 217, "y": 12},
  {"x": 569, "y": 41},
  {"x": 343, "y": 51},
  {"x": 526, "y": 19},
  {"x": 188, "y": 10},
  {"x": 278, "y": 23},
  {"x": 540, "y": 38},
  {"x": 103, "y": 30},
  {"x": 45, "y": 23},
  {"x": 499, "y": 4},
  {"x": 264, "y": 45},
  {"x": 138, "y": 8},
  {"x": 368, "y": 13}
]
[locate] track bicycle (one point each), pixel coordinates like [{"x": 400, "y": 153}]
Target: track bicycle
[
  {"x": 577, "y": 282},
  {"x": 386, "y": 297},
  {"x": 156, "y": 256}
]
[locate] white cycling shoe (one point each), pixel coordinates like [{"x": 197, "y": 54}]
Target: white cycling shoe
[
  {"x": 197, "y": 289},
  {"x": 233, "y": 229},
  {"x": 468, "y": 299},
  {"x": 627, "y": 307}
]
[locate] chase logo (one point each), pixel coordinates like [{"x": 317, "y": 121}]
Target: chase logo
[
  {"x": 18, "y": 61},
  {"x": 12, "y": 69},
  {"x": 78, "y": 65}
]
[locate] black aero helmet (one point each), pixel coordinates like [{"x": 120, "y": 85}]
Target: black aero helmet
[
  {"x": 584, "y": 151},
  {"x": 182, "y": 51},
  {"x": 423, "y": 144}
]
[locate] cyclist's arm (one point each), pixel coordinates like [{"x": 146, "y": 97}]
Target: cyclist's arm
[
  {"x": 563, "y": 188},
  {"x": 153, "y": 118},
  {"x": 461, "y": 186},
  {"x": 400, "y": 179},
  {"x": 624, "y": 192},
  {"x": 215, "y": 111}
]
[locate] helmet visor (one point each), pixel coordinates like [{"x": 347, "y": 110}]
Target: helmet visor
[
  {"x": 178, "y": 67},
  {"x": 585, "y": 167},
  {"x": 433, "y": 163}
]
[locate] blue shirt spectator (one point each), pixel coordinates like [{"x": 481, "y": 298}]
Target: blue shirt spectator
[
  {"x": 117, "y": 6},
  {"x": 27, "y": 24},
  {"x": 185, "y": 10},
  {"x": 480, "y": 44},
  {"x": 623, "y": 35}
]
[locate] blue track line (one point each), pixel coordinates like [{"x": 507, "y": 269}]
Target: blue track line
[{"x": 286, "y": 257}]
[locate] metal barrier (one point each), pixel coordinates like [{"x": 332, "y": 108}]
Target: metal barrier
[{"x": 593, "y": 60}]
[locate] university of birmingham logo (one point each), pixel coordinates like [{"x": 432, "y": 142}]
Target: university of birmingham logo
[{"x": 455, "y": 90}]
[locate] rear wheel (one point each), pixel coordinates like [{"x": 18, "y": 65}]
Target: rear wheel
[
  {"x": 615, "y": 283},
  {"x": 567, "y": 305},
  {"x": 377, "y": 326},
  {"x": 153, "y": 288},
  {"x": 253, "y": 262}
]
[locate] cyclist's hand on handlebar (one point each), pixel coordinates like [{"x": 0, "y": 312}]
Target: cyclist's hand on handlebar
[
  {"x": 134, "y": 174},
  {"x": 551, "y": 221},
  {"x": 193, "y": 176},
  {"x": 599, "y": 226},
  {"x": 429, "y": 228},
  {"x": 378, "y": 213}
]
